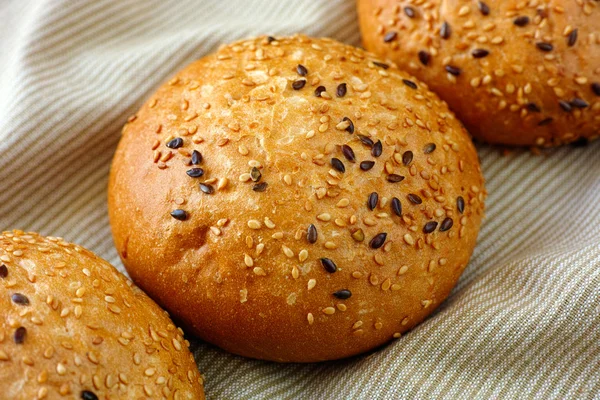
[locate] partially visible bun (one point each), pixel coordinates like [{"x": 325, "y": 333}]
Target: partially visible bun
[
  {"x": 515, "y": 72},
  {"x": 73, "y": 327}
]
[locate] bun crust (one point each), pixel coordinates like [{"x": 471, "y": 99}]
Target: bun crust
[
  {"x": 281, "y": 257},
  {"x": 516, "y": 73},
  {"x": 73, "y": 327}
]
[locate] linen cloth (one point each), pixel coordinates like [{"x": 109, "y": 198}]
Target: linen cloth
[{"x": 524, "y": 320}]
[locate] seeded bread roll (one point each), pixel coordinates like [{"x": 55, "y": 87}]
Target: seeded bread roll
[
  {"x": 295, "y": 199},
  {"x": 73, "y": 327},
  {"x": 515, "y": 72}
]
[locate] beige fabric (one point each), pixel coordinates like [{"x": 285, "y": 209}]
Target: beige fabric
[{"x": 524, "y": 321}]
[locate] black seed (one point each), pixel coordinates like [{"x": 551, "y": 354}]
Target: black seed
[
  {"x": 378, "y": 240},
  {"x": 453, "y": 70},
  {"x": 196, "y": 157},
  {"x": 377, "y": 149},
  {"x": 312, "y": 234},
  {"x": 348, "y": 153},
  {"x": 372, "y": 201},
  {"x": 480, "y": 53},
  {"x": 533, "y": 107},
  {"x": 381, "y": 65},
  {"x": 3, "y": 271},
  {"x": 545, "y": 121},
  {"x": 86, "y": 394},
  {"x": 521, "y": 20},
  {"x": 301, "y": 69},
  {"x": 366, "y": 140},
  {"x": 206, "y": 188},
  {"x": 446, "y": 224},
  {"x": 397, "y": 206},
  {"x": 430, "y": 227},
  {"x": 410, "y": 84},
  {"x": 341, "y": 90},
  {"x": 581, "y": 142},
  {"x": 338, "y": 165},
  {"x": 596, "y": 88},
  {"x": 460, "y": 204},
  {"x": 350, "y": 127},
  {"x": 429, "y": 148},
  {"x": 483, "y": 8},
  {"x": 328, "y": 265},
  {"x": 407, "y": 157},
  {"x": 255, "y": 174},
  {"x": 415, "y": 199},
  {"x": 20, "y": 299},
  {"x": 195, "y": 172},
  {"x": 319, "y": 90},
  {"x": 271, "y": 39},
  {"x": 565, "y": 105},
  {"x": 179, "y": 214},
  {"x": 542, "y": 12},
  {"x": 175, "y": 143},
  {"x": 20, "y": 334},
  {"x": 299, "y": 84},
  {"x": 579, "y": 103},
  {"x": 410, "y": 12},
  {"x": 367, "y": 165},
  {"x": 424, "y": 57},
  {"x": 572, "y": 38},
  {"x": 395, "y": 178},
  {"x": 343, "y": 294},
  {"x": 544, "y": 46},
  {"x": 445, "y": 30},
  {"x": 390, "y": 36},
  {"x": 260, "y": 187}
]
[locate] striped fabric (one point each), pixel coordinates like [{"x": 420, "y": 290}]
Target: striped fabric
[{"x": 524, "y": 321}]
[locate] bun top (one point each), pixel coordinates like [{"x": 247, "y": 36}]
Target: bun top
[
  {"x": 295, "y": 199},
  {"x": 515, "y": 72},
  {"x": 72, "y": 326}
]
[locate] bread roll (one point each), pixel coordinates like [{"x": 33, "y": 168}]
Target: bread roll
[
  {"x": 73, "y": 327},
  {"x": 515, "y": 72},
  {"x": 295, "y": 199}
]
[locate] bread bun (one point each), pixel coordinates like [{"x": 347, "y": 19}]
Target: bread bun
[
  {"x": 273, "y": 196},
  {"x": 515, "y": 72},
  {"x": 73, "y": 327}
]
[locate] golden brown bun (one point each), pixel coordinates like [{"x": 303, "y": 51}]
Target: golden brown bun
[
  {"x": 73, "y": 327},
  {"x": 529, "y": 72},
  {"x": 240, "y": 270}
]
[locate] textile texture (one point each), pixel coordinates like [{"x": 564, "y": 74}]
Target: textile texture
[{"x": 524, "y": 320}]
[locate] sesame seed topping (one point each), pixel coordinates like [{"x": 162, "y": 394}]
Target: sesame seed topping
[
  {"x": 20, "y": 334},
  {"x": 579, "y": 103},
  {"x": 20, "y": 299},
  {"x": 521, "y": 20},
  {"x": 460, "y": 204},
  {"x": 565, "y": 105},
  {"x": 415, "y": 199},
  {"x": 260, "y": 187},
  {"x": 390, "y": 36},
  {"x": 396, "y": 206},
  {"x": 179, "y": 214},
  {"x": 206, "y": 188},
  {"x": 377, "y": 149},
  {"x": 367, "y": 165},
  {"x": 319, "y": 90},
  {"x": 311, "y": 234},
  {"x": 409, "y": 83},
  {"x": 410, "y": 12},
  {"x": 365, "y": 140},
  {"x": 358, "y": 235},
  {"x": 195, "y": 172},
  {"x": 328, "y": 265},
  {"x": 348, "y": 153},
  {"x": 350, "y": 127},
  {"x": 572, "y": 38},
  {"x": 299, "y": 84},
  {"x": 329, "y": 310},
  {"x": 430, "y": 227},
  {"x": 338, "y": 165},
  {"x": 255, "y": 174},
  {"x": 395, "y": 178},
  {"x": 341, "y": 90},
  {"x": 196, "y": 157},
  {"x": 544, "y": 46},
  {"x": 483, "y": 8},
  {"x": 480, "y": 53},
  {"x": 429, "y": 148},
  {"x": 445, "y": 30},
  {"x": 453, "y": 70},
  {"x": 378, "y": 240},
  {"x": 175, "y": 143},
  {"x": 301, "y": 69},
  {"x": 3, "y": 271},
  {"x": 407, "y": 157},
  {"x": 372, "y": 201},
  {"x": 87, "y": 395},
  {"x": 343, "y": 294},
  {"x": 381, "y": 65},
  {"x": 424, "y": 57},
  {"x": 446, "y": 224}
]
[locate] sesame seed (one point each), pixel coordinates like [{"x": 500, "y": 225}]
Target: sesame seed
[
  {"x": 460, "y": 204},
  {"x": 410, "y": 12},
  {"x": 260, "y": 187},
  {"x": 324, "y": 217},
  {"x": 299, "y": 84},
  {"x": 424, "y": 57},
  {"x": 521, "y": 20},
  {"x": 255, "y": 174},
  {"x": 430, "y": 227},
  {"x": 328, "y": 265},
  {"x": 415, "y": 199},
  {"x": 483, "y": 8},
  {"x": 381, "y": 65},
  {"x": 446, "y": 224},
  {"x": 480, "y": 53},
  {"x": 175, "y": 143},
  {"x": 395, "y": 178},
  {"x": 429, "y": 148},
  {"x": 596, "y": 88},
  {"x": 179, "y": 214},
  {"x": 390, "y": 36},
  {"x": 453, "y": 70},
  {"x": 396, "y": 206},
  {"x": 546, "y": 121},
  {"x": 377, "y": 149},
  {"x": 195, "y": 172},
  {"x": 372, "y": 201},
  {"x": 365, "y": 140},
  {"x": 20, "y": 334},
  {"x": 206, "y": 188},
  {"x": 409, "y": 83},
  {"x": 301, "y": 69},
  {"x": 409, "y": 239},
  {"x": 319, "y": 90},
  {"x": 358, "y": 235},
  {"x": 350, "y": 127},
  {"x": 565, "y": 105},
  {"x": 572, "y": 38},
  {"x": 445, "y": 30},
  {"x": 343, "y": 294},
  {"x": 367, "y": 165},
  {"x": 348, "y": 153},
  {"x": 87, "y": 395},
  {"x": 579, "y": 103},
  {"x": 407, "y": 157},
  {"x": 329, "y": 310},
  {"x": 544, "y": 46},
  {"x": 3, "y": 271},
  {"x": 378, "y": 240},
  {"x": 20, "y": 299},
  {"x": 311, "y": 234}
]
